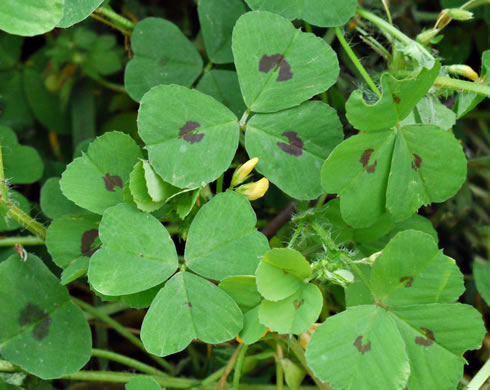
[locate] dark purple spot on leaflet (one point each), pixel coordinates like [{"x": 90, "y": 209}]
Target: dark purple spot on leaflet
[
  {"x": 360, "y": 347},
  {"x": 31, "y": 313},
  {"x": 190, "y": 133},
  {"x": 365, "y": 161},
  {"x": 417, "y": 162},
  {"x": 111, "y": 182},
  {"x": 396, "y": 98},
  {"x": 295, "y": 146},
  {"x": 408, "y": 279},
  {"x": 297, "y": 304},
  {"x": 188, "y": 304},
  {"x": 273, "y": 62},
  {"x": 426, "y": 341},
  {"x": 88, "y": 239}
]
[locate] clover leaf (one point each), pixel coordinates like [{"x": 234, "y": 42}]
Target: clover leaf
[
  {"x": 396, "y": 337},
  {"x": 122, "y": 266},
  {"x": 279, "y": 66},
  {"x": 162, "y": 55},
  {"x": 35, "y": 310},
  {"x": 191, "y": 138},
  {"x": 293, "y": 144},
  {"x": 96, "y": 180}
]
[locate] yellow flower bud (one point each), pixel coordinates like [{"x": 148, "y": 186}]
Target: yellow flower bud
[
  {"x": 463, "y": 70},
  {"x": 242, "y": 172},
  {"x": 254, "y": 190}
]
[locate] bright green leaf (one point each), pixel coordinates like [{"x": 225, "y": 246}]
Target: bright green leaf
[
  {"x": 96, "y": 180},
  {"x": 322, "y": 13},
  {"x": 252, "y": 330},
  {"x": 53, "y": 203},
  {"x": 431, "y": 111},
  {"x": 397, "y": 170},
  {"x": 217, "y": 18},
  {"x": 34, "y": 332},
  {"x": 295, "y": 314},
  {"x": 190, "y": 137},
  {"x": 243, "y": 290},
  {"x": 223, "y": 240},
  {"x": 123, "y": 266},
  {"x": 162, "y": 55},
  {"x": 189, "y": 307},
  {"x": 398, "y": 100},
  {"x": 293, "y": 144},
  {"x": 30, "y": 17},
  {"x": 279, "y": 66}
]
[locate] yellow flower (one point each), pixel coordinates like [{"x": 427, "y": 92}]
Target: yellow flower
[
  {"x": 242, "y": 172},
  {"x": 254, "y": 190}
]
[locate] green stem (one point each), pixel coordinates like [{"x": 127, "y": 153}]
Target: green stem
[
  {"x": 279, "y": 376},
  {"x": 356, "y": 61},
  {"x": 474, "y": 4},
  {"x": 121, "y": 330},
  {"x": 461, "y": 85},
  {"x": 219, "y": 184},
  {"x": 296, "y": 234},
  {"x": 243, "y": 120},
  {"x": 208, "y": 67},
  {"x": 22, "y": 240},
  {"x": 324, "y": 236},
  {"x": 321, "y": 201},
  {"x": 128, "y": 362},
  {"x": 107, "y": 84},
  {"x": 239, "y": 366},
  {"x": 308, "y": 27},
  {"x": 115, "y": 18},
  {"x": 26, "y": 221},
  {"x": 480, "y": 378}
]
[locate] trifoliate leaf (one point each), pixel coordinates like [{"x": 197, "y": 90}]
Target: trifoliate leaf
[
  {"x": 398, "y": 100},
  {"x": 96, "y": 180},
  {"x": 397, "y": 170},
  {"x": 322, "y": 13},
  {"x": 413, "y": 328},
  {"x": 30, "y": 17},
  {"x": 279, "y": 66},
  {"x": 189, "y": 307},
  {"x": 292, "y": 145},
  {"x": 34, "y": 332},
  {"x": 123, "y": 266},
  {"x": 190, "y": 137},
  {"x": 223, "y": 240},
  {"x": 162, "y": 55},
  {"x": 217, "y": 19}
]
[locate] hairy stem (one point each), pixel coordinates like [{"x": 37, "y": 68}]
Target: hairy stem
[
  {"x": 22, "y": 240},
  {"x": 356, "y": 62},
  {"x": 462, "y": 85}
]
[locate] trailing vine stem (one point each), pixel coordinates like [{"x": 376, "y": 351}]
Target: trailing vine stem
[
  {"x": 22, "y": 240},
  {"x": 14, "y": 212},
  {"x": 356, "y": 62},
  {"x": 239, "y": 366},
  {"x": 127, "y": 361}
]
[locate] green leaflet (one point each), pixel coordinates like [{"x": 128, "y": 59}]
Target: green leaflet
[
  {"x": 293, "y": 144},
  {"x": 53, "y": 203},
  {"x": 22, "y": 164},
  {"x": 431, "y": 111},
  {"x": 34, "y": 332},
  {"x": 223, "y": 240},
  {"x": 71, "y": 241},
  {"x": 397, "y": 170},
  {"x": 281, "y": 273},
  {"x": 323, "y": 13},
  {"x": 217, "y": 18},
  {"x": 398, "y": 100},
  {"x": 414, "y": 330},
  {"x": 279, "y": 66},
  {"x": 123, "y": 265},
  {"x": 75, "y": 11},
  {"x": 96, "y": 180},
  {"x": 187, "y": 147},
  {"x": 294, "y": 314},
  {"x": 162, "y": 55},
  {"x": 30, "y": 17},
  {"x": 223, "y": 86},
  {"x": 243, "y": 290},
  {"x": 189, "y": 307},
  {"x": 149, "y": 191}
]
